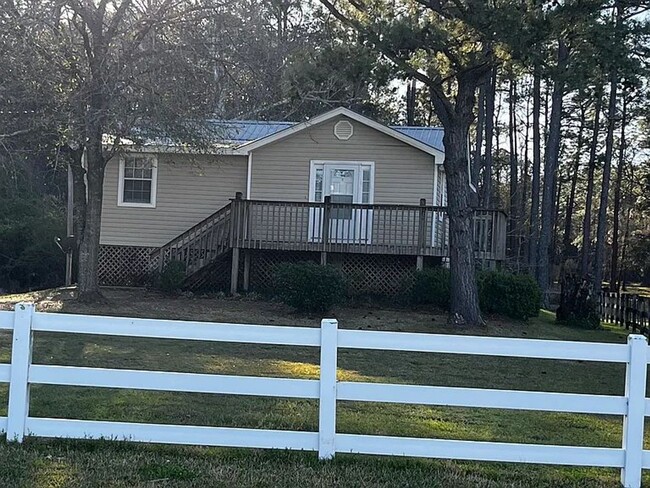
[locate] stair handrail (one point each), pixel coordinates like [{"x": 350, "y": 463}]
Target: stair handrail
[{"x": 207, "y": 222}]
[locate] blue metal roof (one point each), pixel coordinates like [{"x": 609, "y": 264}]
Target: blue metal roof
[
  {"x": 431, "y": 136},
  {"x": 241, "y": 131}
]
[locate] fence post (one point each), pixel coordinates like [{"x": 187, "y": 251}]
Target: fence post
[
  {"x": 21, "y": 359},
  {"x": 635, "y": 392},
  {"x": 327, "y": 399}
]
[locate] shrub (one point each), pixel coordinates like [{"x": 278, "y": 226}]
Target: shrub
[
  {"x": 515, "y": 296},
  {"x": 309, "y": 287},
  {"x": 431, "y": 287},
  {"x": 172, "y": 276}
]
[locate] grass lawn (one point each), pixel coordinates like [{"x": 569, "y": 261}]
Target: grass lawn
[{"x": 43, "y": 463}]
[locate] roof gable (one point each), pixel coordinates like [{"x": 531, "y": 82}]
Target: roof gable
[{"x": 426, "y": 139}]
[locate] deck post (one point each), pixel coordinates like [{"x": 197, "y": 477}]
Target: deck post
[
  {"x": 325, "y": 230},
  {"x": 235, "y": 230},
  {"x": 247, "y": 270},
  {"x": 234, "y": 271},
  {"x": 422, "y": 238}
]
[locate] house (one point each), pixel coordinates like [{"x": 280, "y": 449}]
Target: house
[{"x": 339, "y": 188}]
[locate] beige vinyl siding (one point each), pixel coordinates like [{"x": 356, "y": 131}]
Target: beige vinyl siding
[
  {"x": 403, "y": 174},
  {"x": 189, "y": 189}
]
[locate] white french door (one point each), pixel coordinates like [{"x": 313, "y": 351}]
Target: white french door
[{"x": 345, "y": 183}]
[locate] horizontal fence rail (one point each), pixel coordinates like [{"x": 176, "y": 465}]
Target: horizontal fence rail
[{"x": 633, "y": 406}]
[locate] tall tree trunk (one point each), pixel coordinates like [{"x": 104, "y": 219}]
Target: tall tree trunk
[
  {"x": 557, "y": 189},
  {"x": 513, "y": 221},
  {"x": 586, "y": 223},
  {"x": 568, "y": 215},
  {"x": 626, "y": 238},
  {"x": 411, "y": 97},
  {"x": 88, "y": 271},
  {"x": 523, "y": 194},
  {"x": 550, "y": 172},
  {"x": 535, "y": 184},
  {"x": 480, "y": 128},
  {"x": 489, "y": 138},
  {"x": 78, "y": 202},
  {"x": 464, "y": 292},
  {"x": 457, "y": 119},
  {"x": 613, "y": 273},
  {"x": 88, "y": 276},
  {"x": 601, "y": 228}
]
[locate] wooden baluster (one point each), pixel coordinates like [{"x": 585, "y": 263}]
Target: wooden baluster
[
  {"x": 421, "y": 234},
  {"x": 325, "y": 230}
]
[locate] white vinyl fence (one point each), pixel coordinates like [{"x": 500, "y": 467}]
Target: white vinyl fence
[{"x": 21, "y": 373}]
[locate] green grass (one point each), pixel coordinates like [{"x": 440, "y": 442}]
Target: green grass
[{"x": 42, "y": 463}]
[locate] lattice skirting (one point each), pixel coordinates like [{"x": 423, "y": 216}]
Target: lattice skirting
[
  {"x": 375, "y": 274},
  {"x": 264, "y": 264},
  {"x": 124, "y": 265},
  {"x": 368, "y": 274}
]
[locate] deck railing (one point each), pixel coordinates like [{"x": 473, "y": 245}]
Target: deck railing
[
  {"x": 359, "y": 228},
  {"x": 415, "y": 230}
]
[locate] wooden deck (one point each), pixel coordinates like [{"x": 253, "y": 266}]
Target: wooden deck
[{"x": 326, "y": 227}]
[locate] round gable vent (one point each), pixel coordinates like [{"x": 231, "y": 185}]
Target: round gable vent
[{"x": 343, "y": 130}]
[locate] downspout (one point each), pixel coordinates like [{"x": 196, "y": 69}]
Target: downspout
[
  {"x": 249, "y": 175},
  {"x": 435, "y": 201},
  {"x": 435, "y": 182}
]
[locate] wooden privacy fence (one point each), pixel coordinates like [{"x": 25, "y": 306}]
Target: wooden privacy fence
[
  {"x": 633, "y": 406},
  {"x": 627, "y": 310}
]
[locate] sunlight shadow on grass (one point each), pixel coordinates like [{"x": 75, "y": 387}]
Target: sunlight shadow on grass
[
  {"x": 51, "y": 473},
  {"x": 277, "y": 368},
  {"x": 546, "y": 316}
]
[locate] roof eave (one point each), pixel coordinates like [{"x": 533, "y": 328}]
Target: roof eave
[{"x": 170, "y": 149}]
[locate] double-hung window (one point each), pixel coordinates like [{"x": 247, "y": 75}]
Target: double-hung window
[{"x": 137, "y": 183}]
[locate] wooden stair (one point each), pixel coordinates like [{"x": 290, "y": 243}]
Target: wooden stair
[{"x": 200, "y": 248}]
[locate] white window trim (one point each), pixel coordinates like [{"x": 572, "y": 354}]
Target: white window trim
[
  {"x": 154, "y": 185},
  {"x": 320, "y": 163}
]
